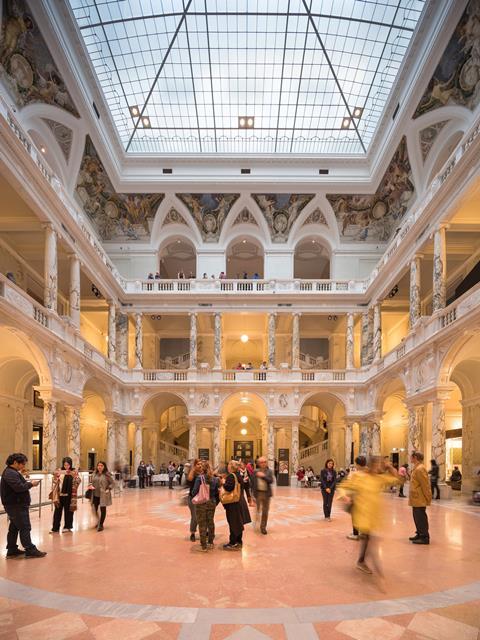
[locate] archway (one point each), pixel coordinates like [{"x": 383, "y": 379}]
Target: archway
[
  {"x": 394, "y": 422},
  {"x": 165, "y": 429},
  {"x": 244, "y": 427},
  {"x": 245, "y": 255},
  {"x": 178, "y": 256},
  {"x": 94, "y": 424},
  {"x": 311, "y": 260},
  {"x": 321, "y": 428}
]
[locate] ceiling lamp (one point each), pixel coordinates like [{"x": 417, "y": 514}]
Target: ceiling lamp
[
  {"x": 246, "y": 122},
  {"x": 134, "y": 111},
  {"x": 357, "y": 112},
  {"x": 244, "y": 419},
  {"x": 243, "y": 432},
  {"x": 244, "y": 337},
  {"x": 346, "y": 123},
  {"x": 146, "y": 122}
]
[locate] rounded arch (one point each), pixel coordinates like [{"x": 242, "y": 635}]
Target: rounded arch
[
  {"x": 164, "y": 399},
  {"x": 95, "y": 386},
  {"x": 165, "y": 426},
  {"x": 231, "y": 227},
  {"x": 17, "y": 345},
  {"x": 245, "y": 426},
  {"x": 177, "y": 254},
  {"x": 393, "y": 387},
  {"x": 332, "y": 404},
  {"x": 461, "y": 366},
  {"x": 243, "y": 398},
  {"x": 162, "y": 232},
  {"x": 244, "y": 254},
  {"x": 311, "y": 257},
  {"x": 440, "y": 153}
]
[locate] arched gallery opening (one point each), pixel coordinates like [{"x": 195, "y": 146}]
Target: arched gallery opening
[
  {"x": 94, "y": 418},
  {"x": 165, "y": 429},
  {"x": 321, "y": 429},
  {"x": 394, "y": 422},
  {"x": 244, "y": 425},
  {"x": 311, "y": 260},
  {"x": 178, "y": 256},
  {"x": 245, "y": 255}
]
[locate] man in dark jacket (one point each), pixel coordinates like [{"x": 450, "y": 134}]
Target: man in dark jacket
[
  {"x": 262, "y": 480},
  {"x": 15, "y": 495}
]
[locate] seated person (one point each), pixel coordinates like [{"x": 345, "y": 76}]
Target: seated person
[
  {"x": 456, "y": 475},
  {"x": 239, "y": 367},
  {"x": 150, "y": 276},
  {"x": 157, "y": 275}
]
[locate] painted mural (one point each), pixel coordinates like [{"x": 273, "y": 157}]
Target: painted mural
[
  {"x": 456, "y": 80},
  {"x": 316, "y": 217},
  {"x": 209, "y": 211},
  {"x": 245, "y": 217},
  {"x": 374, "y": 218},
  {"x": 116, "y": 216},
  {"x": 281, "y": 210},
  {"x": 173, "y": 217},
  {"x": 428, "y": 136},
  {"x": 62, "y": 134},
  {"x": 25, "y": 61}
]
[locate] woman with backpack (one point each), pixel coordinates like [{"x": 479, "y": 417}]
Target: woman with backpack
[{"x": 205, "y": 497}]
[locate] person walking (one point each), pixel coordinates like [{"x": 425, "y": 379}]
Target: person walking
[
  {"x": 262, "y": 480},
  {"x": 172, "y": 471},
  {"x": 150, "y": 473},
  {"x": 65, "y": 484},
  {"x": 101, "y": 487},
  {"x": 434, "y": 475},
  {"x": 15, "y": 496},
  {"x": 205, "y": 502},
  {"x": 142, "y": 474},
  {"x": 236, "y": 509},
  {"x": 194, "y": 470},
  {"x": 403, "y": 473},
  {"x": 242, "y": 469},
  {"x": 328, "y": 482},
  {"x": 419, "y": 498},
  {"x": 360, "y": 467}
]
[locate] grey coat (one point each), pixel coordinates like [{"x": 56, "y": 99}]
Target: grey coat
[
  {"x": 105, "y": 483},
  {"x": 268, "y": 479}
]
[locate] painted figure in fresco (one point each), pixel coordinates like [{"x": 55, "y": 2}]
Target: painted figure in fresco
[
  {"x": 209, "y": 211},
  {"x": 280, "y": 211},
  {"x": 16, "y": 26}
]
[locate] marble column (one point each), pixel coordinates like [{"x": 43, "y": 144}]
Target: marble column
[
  {"x": 365, "y": 447},
  {"x": 348, "y": 444},
  {"x": 350, "y": 341},
  {"x": 415, "y": 310},
  {"x": 50, "y": 439},
  {"x": 439, "y": 269},
  {"x": 111, "y": 443},
  {"x": 72, "y": 415},
  {"x": 296, "y": 341},
  {"x": 19, "y": 429},
  {"x": 75, "y": 291},
  {"x": 217, "y": 347},
  {"x": 370, "y": 337},
  {"x": 122, "y": 339},
  {"x": 138, "y": 449},
  {"x": 193, "y": 341},
  {"x": 216, "y": 446},
  {"x": 192, "y": 440},
  {"x": 50, "y": 269},
  {"x": 271, "y": 340},
  {"x": 364, "y": 341},
  {"x": 295, "y": 447},
  {"x": 438, "y": 436},
  {"x": 468, "y": 449},
  {"x": 122, "y": 442},
  {"x": 138, "y": 341},
  {"x": 112, "y": 325},
  {"x": 416, "y": 417},
  {"x": 377, "y": 332},
  {"x": 376, "y": 439},
  {"x": 271, "y": 445}
]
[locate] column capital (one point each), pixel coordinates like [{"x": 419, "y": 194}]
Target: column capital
[
  {"x": 49, "y": 226},
  {"x": 442, "y": 226},
  {"x": 417, "y": 256}
]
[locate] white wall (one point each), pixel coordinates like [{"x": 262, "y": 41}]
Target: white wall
[
  {"x": 211, "y": 263},
  {"x": 136, "y": 266},
  {"x": 278, "y": 265},
  {"x": 351, "y": 267}
]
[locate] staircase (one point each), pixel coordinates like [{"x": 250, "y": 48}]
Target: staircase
[
  {"x": 178, "y": 362},
  {"x": 314, "y": 456},
  {"x": 168, "y": 451}
]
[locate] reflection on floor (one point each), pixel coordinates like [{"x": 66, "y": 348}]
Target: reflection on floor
[{"x": 139, "y": 578}]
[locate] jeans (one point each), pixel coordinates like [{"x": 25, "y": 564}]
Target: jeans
[
  {"x": 263, "y": 506},
  {"x": 64, "y": 506},
  {"x": 421, "y": 521},
  {"x": 170, "y": 482},
  {"x": 141, "y": 482},
  {"x": 327, "y": 503},
  {"x": 19, "y": 517},
  {"x": 103, "y": 510},
  {"x": 193, "y": 515},
  {"x": 206, "y": 525},
  {"x": 435, "y": 489}
]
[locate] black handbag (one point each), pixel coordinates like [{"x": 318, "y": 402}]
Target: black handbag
[{"x": 88, "y": 494}]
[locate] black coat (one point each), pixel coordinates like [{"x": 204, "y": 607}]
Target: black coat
[
  {"x": 238, "y": 512},
  {"x": 15, "y": 490},
  {"x": 324, "y": 483}
]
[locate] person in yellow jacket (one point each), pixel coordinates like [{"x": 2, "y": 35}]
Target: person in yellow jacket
[
  {"x": 363, "y": 492},
  {"x": 419, "y": 498}
]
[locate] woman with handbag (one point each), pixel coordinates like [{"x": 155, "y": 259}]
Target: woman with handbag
[
  {"x": 64, "y": 495},
  {"x": 205, "y": 497},
  {"x": 101, "y": 487},
  {"x": 194, "y": 471},
  {"x": 236, "y": 508}
]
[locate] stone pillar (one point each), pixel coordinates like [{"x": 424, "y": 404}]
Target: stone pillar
[
  {"x": 111, "y": 442},
  {"x": 376, "y": 439},
  {"x": 415, "y": 310},
  {"x": 122, "y": 442},
  {"x": 439, "y": 269},
  {"x": 216, "y": 446},
  {"x": 217, "y": 347},
  {"x": 350, "y": 342},
  {"x": 296, "y": 341},
  {"x": 19, "y": 429},
  {"x": 112, "y": 325},
  {"x": 295, "y": 447},
  {"x": 364, "y": 341},
  {"x": 416, "y": 417},
  {"x": 193, "y": 341},
  {"x": 138, "y": 341},
  {"x": 370, "y": 337},
  {"x": 271, "y": 340},
  {"x": 271, "y": 446},
  {"x": 438, "y": 436},
  {"x": 377, "y": 332},
  {"x": 192, "y": 440},
  {"x": 348, "y": 444},
  {"x": 138, "y": 449},
  {"x": 365, "y": 448},
  {"x": 75, "y": 291},
  {"x": 50, "y": 441},
  {"x": 50, "y": 269},
  {"x": 121, "y": 333},
  {"x": 469, "y": 458},
  {"x": 72, "y": 415}
]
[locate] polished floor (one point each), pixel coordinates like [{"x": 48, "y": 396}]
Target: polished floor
[{"x": 140, "y": 577}]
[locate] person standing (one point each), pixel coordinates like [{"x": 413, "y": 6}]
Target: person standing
[
  {"x": 419, "y": 497},
  {"x": 15, "y": 496},
  {"x": 236, "y": 510},
  {"x": 403, "y": 473},
  {"x": 101, "y": 487},
  {"x": 150, "y": 473},
  {"x": 205, "y": 511},
  {"x": 64, "y": 495},
  {"x": 142, "y": 474},
  {"x": 434, "y": 473},
  {"x": 328, "y": 482},
  {"x": 172, "y": 470},
  {"x": 194, "y": 470},
  {"x": 262, "y": 480}
]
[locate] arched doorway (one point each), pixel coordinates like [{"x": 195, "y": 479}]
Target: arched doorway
[
  {"x": 245, "y": 255},
  {"x": 165, "y": 429},
  {"x": 177, "y": 256},
  {"x": 321, "y": 429},
  {"x": 244, "y": 426},
  {"x": 311, "y": 260},
  {"x": 394, "y": 422},
  {"x": 94, "y": 419}
]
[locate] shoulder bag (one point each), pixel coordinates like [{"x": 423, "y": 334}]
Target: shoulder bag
[{"x": 230, "y": 497}]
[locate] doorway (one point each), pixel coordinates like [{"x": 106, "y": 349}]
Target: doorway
[{"x": 243, "y": 449}]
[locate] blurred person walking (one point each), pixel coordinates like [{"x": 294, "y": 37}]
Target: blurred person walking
[
  {"x": 328, "y": 482},
  {"x": 150, "y": 473},
  {"x": 172, "y": 472},
  {"x": 434, "y": 476},
  {"x": 101, "y": 487},
  {"x": 194, "y": 470},
  {"x": 262, "y": 480},
  {"x": 419, "y": 498},
  {"x": 65, "y": 484},
  {"x": 205, "y": 497},
  {"x": 360, "y": 467}
]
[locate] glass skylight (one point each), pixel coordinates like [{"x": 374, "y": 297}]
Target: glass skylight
[{"x": 179, "y": 75}]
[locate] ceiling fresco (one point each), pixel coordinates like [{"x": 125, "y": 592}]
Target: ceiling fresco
[
  {"x": 62, "y": 134},
  {"x": 316, "y": 217},
  {"x": 280, "y": 210},
  {"x": 428, "y": 136},
  {"x": 173, "y": 217},
  {"x": 116, "y": 216},
  {"x": 456, "y": 80},
  {"x": 209, "y": 211},
  {"x": 245, "y": 217},
  {"x": 374, "y": 218},
  {"x": 25, "y": 61}
]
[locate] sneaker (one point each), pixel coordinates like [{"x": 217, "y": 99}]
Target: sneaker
[
  {"x": 35, "y": 553},
  {"x": 66, "y": 531},
  {"x": 263, "y": 531},
  {"x": 415, "y": 537},
  {"x": 210, "y": 545},
  {"x": 200, "y": 548},
  {"x": 352, "y": 536},
  {"x": 100, "y": 527},
  {"x": 16, "y": 553},
  {"x": 230, "y": 547},
  {"x": 421, "y": 541},
  {"x": 364, "y": 567},
  {"x": 192, "y": 537},
  {"x": 54, "y": 531},
  {"x": 328, "y": 519}
]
